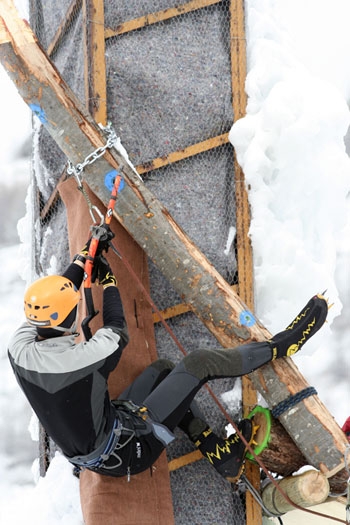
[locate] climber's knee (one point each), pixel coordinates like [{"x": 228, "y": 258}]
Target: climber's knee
[{"x": 163, "y": 364}]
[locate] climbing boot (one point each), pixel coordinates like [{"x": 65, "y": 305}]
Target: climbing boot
[
  {"x": 226, "y": 455},
  {"x": 304, "y": 326}
]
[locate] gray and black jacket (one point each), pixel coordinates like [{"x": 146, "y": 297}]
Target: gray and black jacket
[{"x": 66, "y": 382}]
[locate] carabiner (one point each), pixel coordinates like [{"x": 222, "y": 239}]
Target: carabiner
[{"x": 100, "y": 215}]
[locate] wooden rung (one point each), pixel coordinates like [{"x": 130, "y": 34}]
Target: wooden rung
[
  {"x": 170, "y": 312},
  {"x": 178, "y": 309},
  {"x": 64, "y": 25},
  {"x": 176, "y": 156},
  {"x": 159, "y": 16},
  {"x": 184, "y": 460}
]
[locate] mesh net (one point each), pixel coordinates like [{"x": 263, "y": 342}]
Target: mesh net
[{"x": 168, "y": 88}]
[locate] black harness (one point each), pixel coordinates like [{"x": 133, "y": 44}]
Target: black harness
[{"x": 114, "y": 456}]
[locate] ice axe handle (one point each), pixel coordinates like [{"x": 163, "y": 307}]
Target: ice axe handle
[{"x": 91, "y": 314}]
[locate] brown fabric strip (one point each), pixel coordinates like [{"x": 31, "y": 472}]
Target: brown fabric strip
[{"x": 147, "y": 497}]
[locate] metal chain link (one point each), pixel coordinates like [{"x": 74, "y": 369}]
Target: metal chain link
[
  {"x": 77, "y": 170},
  {"x": 96, "y": 154}
]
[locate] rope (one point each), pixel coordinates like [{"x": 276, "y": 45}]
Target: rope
[{"x": 293, "y": 400}]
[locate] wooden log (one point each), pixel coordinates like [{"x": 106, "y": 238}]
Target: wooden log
[
  {"x": 282, "y": 456},
  {"x": 210, "y": 297},
  {"x": 306, "y": 490}
]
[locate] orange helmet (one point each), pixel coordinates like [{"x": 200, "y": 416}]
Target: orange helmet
[{"x": 49, "y": 300}]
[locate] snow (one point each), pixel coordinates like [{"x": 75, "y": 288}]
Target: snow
[{"x": 292, "y": 150}]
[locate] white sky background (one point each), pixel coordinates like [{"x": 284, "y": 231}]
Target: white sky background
[{"x": 299, "y": 69}]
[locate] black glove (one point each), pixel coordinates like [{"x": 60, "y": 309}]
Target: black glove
[
  {"x": 106, "y": 235},
  {"x": 84, "y": 251},
  {"x": 102, "y": 271}
]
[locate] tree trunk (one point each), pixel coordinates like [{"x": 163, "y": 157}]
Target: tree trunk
[
  {"x": 209, "y": 296},
  {"x": 281, "y": 456}
]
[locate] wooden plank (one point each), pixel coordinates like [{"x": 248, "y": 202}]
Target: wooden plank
[
  {"x": 182, "y": 154},
  {"x": 244, "y": 249},
  {"x": 4, "y": 36},
  {"x": 160, "y": 16},
  {"x": 311, "y": 426},
  {"x": 186, "y": 459},
  {"x": 74, "y": 7},
  {"x": 95, "y": 62},
  {"x": 174, "y": 311},
  {"x": 332, "y": 512}
]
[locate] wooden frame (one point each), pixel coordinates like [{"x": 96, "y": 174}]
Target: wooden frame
[
  {"x": 244, "y": 250},
  {"x": 312, "y": 427}
]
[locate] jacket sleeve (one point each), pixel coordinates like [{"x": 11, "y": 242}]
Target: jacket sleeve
[
  {"x": 74, "y": 273},
  {"x": 113, "y": 313}
]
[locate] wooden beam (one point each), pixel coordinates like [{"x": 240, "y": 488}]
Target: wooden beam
[
  {"x": 182, "y": 154},
  {"x": 95, "y": 62},
  {"x": 239, "y": 99},
  {"x": 74, "y": 7},
  {"x": 160, "y": 16},
  {"x": 172, "y": 311},
  {"x": 244, "y": 249},
  {"x": 210, "y": 297}
]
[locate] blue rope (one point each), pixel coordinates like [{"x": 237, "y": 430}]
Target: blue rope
[{"x": 291, "y": 401}]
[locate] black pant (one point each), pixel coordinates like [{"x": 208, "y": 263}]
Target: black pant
[
  {"x": 169, "y": 401},
  {"x": 138, "y": 448},
  {"x": 168, "y": 392}
]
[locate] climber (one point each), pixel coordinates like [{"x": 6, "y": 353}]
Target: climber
[{"x": 65, "y": 381}]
